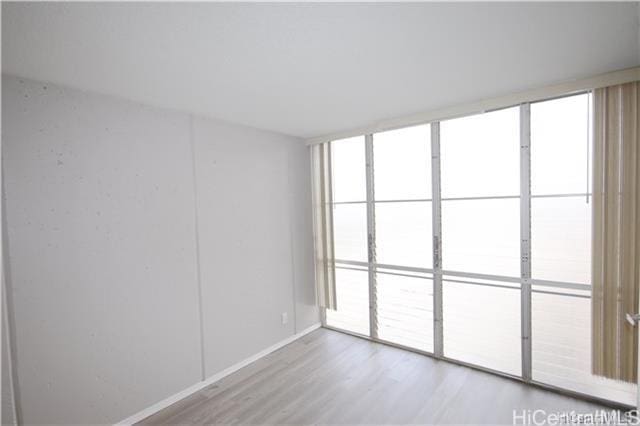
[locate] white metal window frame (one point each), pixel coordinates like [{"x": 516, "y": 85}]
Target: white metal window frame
[{"x": 524, "y": 283}]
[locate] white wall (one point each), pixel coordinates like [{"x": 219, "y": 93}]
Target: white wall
[
  {"x": 102, "y": 244},
  {"x": 244, "y": 236}
]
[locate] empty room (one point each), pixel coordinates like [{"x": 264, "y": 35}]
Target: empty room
[{"x": 320, "y": 213}]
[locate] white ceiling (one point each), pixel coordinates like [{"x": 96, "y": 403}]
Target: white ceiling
[{"x": 313, "y": 69}]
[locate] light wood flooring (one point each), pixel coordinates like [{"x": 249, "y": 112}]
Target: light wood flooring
[{"x": 327, "y": 377}]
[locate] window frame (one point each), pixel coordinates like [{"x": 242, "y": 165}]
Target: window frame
[{"x": 524, "y": 283}]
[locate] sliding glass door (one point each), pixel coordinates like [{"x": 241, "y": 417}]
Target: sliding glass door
[
  {"x": 481, "y": 234},
  {"x": 470, "y": 239},
  {"x": 561, "y": 225},
  {"x": 350, "y": 236},
  {"x": 403, "y": 207}
]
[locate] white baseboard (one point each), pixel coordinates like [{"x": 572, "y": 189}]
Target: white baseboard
[{"x": 141, "y": 415}]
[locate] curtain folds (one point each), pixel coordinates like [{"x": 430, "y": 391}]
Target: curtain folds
[
  {"x": 616, "y": 231},
  {"x": 323, "y": 225}
]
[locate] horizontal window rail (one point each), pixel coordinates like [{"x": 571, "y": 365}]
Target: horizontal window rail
[
  {"x": 555, "y": 293},
  {"x": 488, "y": 197},
  {"x": 424, "y": 277},
  {"x": 582, "y": 194},
  {"x": 350, "y": 268},
  {"x": 384, "y": 266},
  {"x": 472, "y": 275},
  {"x": 508, "y": 287}
]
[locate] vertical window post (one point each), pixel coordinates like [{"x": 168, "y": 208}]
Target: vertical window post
[
  {"x": 525, "y": 238},
  {"x": 438, "y": 348},
  {"x": 371, "y": 238}
]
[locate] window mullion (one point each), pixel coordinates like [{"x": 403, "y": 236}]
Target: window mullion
[
  {"x": 371, "y": 238},
  {"x": 525, "y": 237},
  {"x": 438, "y": 348}
]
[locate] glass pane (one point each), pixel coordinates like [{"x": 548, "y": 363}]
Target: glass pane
[
  {"x": 352, "y": 295},
  {"x": 560, "y": 146},
  {"x": 402, "y": 163},
  {"x": 405, "y": 311},
  {"x": 350, "y": 231},
  {"x": 482, "y": 325},
  {"x": 561, "y": 239},
  {"x": 480, "y": 155},
  {"x": 481, "y": 236},
  {"x": 561, "y": 348},
  {"x": 348, "y": 167},
  {"x": 403, "y": 234}
]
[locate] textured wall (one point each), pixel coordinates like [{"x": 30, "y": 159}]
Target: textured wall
[
  {"x": 102, "y": 245},
  {"x": 242, "y": 179}
]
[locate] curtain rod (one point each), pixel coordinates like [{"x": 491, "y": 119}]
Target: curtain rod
[{"x": 567, "y": 87}]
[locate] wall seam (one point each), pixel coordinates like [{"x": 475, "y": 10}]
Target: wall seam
[
  {"x": 197, "y": 245},
  {"x": 9, "y": 315}
]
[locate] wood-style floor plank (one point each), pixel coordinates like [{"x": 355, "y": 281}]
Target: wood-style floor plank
[{"x": 327, "y": 377}]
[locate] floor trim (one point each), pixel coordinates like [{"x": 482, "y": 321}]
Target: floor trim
[{"x": 141, "y": 415}]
